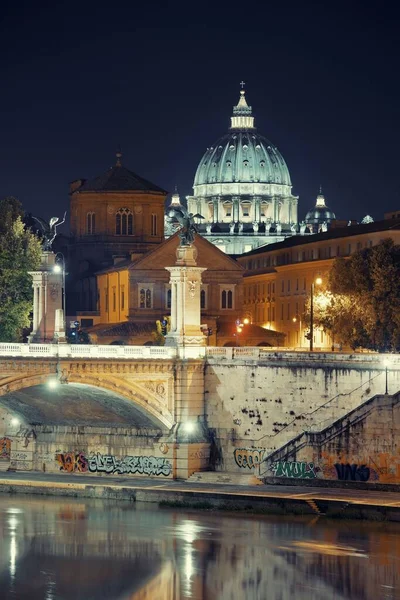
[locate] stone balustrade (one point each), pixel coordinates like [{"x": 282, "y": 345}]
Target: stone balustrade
[
  {"x": 213, "y": 354},
  {"x": 86, "y": 351}
]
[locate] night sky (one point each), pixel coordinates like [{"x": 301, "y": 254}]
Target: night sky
[{"x": 78, "y": 80}]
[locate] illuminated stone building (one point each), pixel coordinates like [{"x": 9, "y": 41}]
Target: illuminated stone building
[
  {"x": 117, "y": 214},
  {"x": 243, "y": 189},
  {"x": 134, "y": 293},
  {"x": 278, "y": 277}
]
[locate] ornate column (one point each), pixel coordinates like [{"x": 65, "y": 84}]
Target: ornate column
[
  {"x": 235, "y": 206},
  {"x": 48, "y": 316},
  {"x": 185, "y": 279},
  {"x": 257, "y": 208},
  {"x": 215, "y": 210}
]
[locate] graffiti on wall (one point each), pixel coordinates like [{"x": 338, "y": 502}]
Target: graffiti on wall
[
  {"x": 248, "y": 457},
  {"x": 294, "y": 469},
  {"x": 142, "y": 465},
  {"x": 354, "y": 472},
  {"x": 72, "y": 462},
  {"x": 5, "y": 448}
]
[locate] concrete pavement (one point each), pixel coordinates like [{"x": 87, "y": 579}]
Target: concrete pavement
[{"x": 269, "y": 498}]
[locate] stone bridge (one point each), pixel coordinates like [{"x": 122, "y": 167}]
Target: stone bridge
[{"x": 128, "y": 409}]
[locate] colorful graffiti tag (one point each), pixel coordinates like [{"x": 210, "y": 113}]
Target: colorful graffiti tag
[
  {"x": 347, "y": 472},
  {"x": 72, "y": 462},
  {"x": 248, "y": 457},
  {"x": 143, "y": 465},
  {"x": 5, "y": 448},
  {"x": 294, "y": 469}
]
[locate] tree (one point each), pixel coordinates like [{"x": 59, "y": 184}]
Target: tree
[
  {"x": 366, "y": 292},
  {"x": 162, "y": 328},
  {"x": 20, "y": 252}
]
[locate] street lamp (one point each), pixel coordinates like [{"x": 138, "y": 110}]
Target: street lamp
[
  {"x": 318, "y": 281},
  {"x": 295, "y": 319},
  {"x": 386, "y": 363}
]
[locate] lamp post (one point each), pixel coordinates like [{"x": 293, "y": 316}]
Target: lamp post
[
  {"x": 295, "y": 319},
  {"x": 386, "y": 363},
  {"x": 318, "y": 281}
]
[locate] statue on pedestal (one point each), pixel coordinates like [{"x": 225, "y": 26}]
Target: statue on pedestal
[
  {"x": 49, "y": 230},
  {"x": 186, "y": 219}
]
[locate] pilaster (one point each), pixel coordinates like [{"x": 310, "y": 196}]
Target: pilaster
[{"x": 48, "y": 293}]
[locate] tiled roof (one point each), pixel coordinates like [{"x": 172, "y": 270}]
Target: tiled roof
[
  {"x": 119, "y": 179},
  {"x": 125, "y": 329}
]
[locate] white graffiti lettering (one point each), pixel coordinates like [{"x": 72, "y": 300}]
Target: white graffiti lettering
[{"x": 143, "y": 465}]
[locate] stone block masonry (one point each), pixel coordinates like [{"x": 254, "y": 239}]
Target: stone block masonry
[{"x": 260, "y": 405}]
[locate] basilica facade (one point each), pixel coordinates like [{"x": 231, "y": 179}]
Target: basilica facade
[{"x": 243, "y": 189}]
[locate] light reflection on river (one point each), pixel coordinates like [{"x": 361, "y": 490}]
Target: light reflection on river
[{"x": 55, "y": 549}]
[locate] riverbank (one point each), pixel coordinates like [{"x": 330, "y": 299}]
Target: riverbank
[{"x": 331, "y": 502}]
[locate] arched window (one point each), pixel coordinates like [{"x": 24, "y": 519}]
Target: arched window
[
  {"x": 90, "y": 223},
  {"x": 124, "y": 222},
  {"x": 145, "y": 297},
  {"x": 227, "y": 298}
]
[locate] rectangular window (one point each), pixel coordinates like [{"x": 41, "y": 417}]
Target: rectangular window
[
  {"x": 273, "y": 313},
  {"x": 273, "y": 288},
  {"x": 114, "y": 297},
  {"x": 329, "y": 252},
  {"x": 305, "y": 284},
  {"x": 269, "y": 313},
  {"x": 168, "y": 296},
  {"x": 349, "y": 249},
  {"x": 338, "y": 251},
  {"x": 282, "y": 312},
  {"x": 122, "y": 297},
  {"x": 288, "y": 285},
  {"x": 297, "y": 285},
  {"x": 153, "y": 224},
  {"x": 203, "y": 299},
  {"x": 106, "y": 299},
  {"x": 288, "y": 312},
  {"x": 282, "y": 286}
]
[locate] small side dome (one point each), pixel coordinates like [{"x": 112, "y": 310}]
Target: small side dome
[{"x": 320, "y": 214}]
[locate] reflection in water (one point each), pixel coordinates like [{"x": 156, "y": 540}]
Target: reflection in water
[{"x": 94, "y": 550}]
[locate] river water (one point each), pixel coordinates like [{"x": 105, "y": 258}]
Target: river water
[{"x": 56, "y": 549}]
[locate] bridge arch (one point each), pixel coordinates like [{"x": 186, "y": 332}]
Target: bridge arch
[{"x": 147, "y": 402}]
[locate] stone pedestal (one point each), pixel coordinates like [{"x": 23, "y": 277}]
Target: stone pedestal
[
  {"x": 48, "y": 305},
  {"x": 185, "y": 333}
]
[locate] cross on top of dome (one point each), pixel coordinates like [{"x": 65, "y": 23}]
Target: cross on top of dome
[{"x": 242, "y": 113}]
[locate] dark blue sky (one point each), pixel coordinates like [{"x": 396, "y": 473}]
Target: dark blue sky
[{"x": 79, "y": 79}]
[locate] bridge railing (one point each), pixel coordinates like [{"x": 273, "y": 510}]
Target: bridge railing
[
  {"x": 301, "y": 355},
  {"x": 85, "y": 351},
  {"x": 278, "y": 354}
]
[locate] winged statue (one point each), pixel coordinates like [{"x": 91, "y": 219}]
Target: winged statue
[
  {"x": 49, "y": 230},
  {"x": 185, "y": 219}
]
